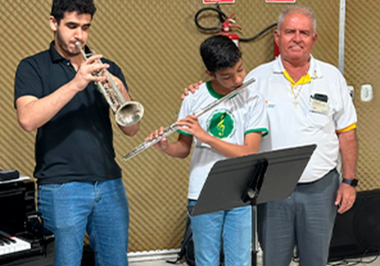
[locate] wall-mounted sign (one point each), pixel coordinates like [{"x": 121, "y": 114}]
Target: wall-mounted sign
[
  {"x": 280, "y": 1},
  {"x": 218, "y": 1}
]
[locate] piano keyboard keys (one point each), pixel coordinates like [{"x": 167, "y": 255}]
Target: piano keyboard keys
[{"x": 12, "y": 245}]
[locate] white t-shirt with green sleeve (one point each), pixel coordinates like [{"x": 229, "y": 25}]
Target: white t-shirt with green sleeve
[{"x": 230, "y": 121}]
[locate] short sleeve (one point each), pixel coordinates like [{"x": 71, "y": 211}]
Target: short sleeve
[
  {"x": 28, "y": 80},
  {"x": 346, "y": 115},
  {"x": 258, "y": 119}
]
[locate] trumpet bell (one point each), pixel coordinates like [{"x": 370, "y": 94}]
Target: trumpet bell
[{"x": 129, "y": 114}]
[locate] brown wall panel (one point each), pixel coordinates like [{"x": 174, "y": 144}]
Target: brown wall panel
[
  {"x": 362, "y": 64},
  {"x": 156, "y": 43}
]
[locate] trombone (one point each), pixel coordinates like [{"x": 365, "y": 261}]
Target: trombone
[{"x": 173, "y": 127}]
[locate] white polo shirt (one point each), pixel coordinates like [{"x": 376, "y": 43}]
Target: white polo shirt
[
  {"x": 230, "y": 121},
  {"x": 311, "y": 120}
]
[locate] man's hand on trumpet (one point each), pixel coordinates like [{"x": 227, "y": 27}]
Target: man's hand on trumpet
[{"x": 86, "y": 70}]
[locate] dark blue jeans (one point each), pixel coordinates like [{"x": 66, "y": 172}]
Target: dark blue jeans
[{"x": 100, "y": 208}]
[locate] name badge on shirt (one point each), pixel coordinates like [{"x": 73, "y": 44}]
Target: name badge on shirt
[{"x": 319, "y": 103}]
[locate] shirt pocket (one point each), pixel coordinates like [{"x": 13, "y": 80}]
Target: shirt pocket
[{"x": 318, "y": 120}]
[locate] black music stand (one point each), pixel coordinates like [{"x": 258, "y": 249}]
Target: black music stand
[{"x": 252, "y": 180}]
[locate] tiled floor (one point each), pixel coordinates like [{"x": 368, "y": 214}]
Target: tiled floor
[{"x": 350, "y": 262}]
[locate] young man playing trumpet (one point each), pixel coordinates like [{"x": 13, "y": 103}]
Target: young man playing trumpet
[
  {"x": 233, "y": 128},
  {"x": 79, "y": 183}
]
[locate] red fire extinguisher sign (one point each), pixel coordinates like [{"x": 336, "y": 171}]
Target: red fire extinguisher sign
[
  {"x": 218, "y": 1},
  {"x": 280, "y": 1}
]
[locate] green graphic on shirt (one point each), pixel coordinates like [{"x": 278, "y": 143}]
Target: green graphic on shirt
[{"x": 221, "y": 125}]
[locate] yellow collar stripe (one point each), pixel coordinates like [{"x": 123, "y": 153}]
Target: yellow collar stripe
[{"x": 305, "y": 79}]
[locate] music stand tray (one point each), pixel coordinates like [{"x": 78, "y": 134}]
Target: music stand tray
[{"x": 252, "y": 180}]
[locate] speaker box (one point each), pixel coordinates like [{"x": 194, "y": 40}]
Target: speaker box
[{"x": 357, "y": 232}]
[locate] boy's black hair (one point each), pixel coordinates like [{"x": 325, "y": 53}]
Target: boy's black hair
[
  {"x": 219, "y": 52},
  {"x": 59, "y": 8}
]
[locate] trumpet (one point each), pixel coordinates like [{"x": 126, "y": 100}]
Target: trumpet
[
  {"x": 173, "y": 127},
  {"x": 126, "y": 113}
]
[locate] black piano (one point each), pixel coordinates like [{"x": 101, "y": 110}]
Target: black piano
[{"x": 23, "y": 239}]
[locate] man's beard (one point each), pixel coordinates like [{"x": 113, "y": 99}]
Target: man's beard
[{"x": 65, "y": 47}]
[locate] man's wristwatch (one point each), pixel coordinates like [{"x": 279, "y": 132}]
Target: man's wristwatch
[{"x": 351, "y": 182}]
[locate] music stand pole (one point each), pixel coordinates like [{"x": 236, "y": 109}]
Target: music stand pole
[
  {"x": 252, "y": 191},
  {"x": 255, "y": 242}
]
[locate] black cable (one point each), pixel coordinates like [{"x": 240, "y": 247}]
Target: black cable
[
  {"x": 259, "y": 34},
  {"x": 353, "y": 262},
  {"x": 222, "y": 18},
  {"x": 345, "y": 262}
]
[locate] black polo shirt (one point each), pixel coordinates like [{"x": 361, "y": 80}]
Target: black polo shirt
[{"x": 77, "y": 143}]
